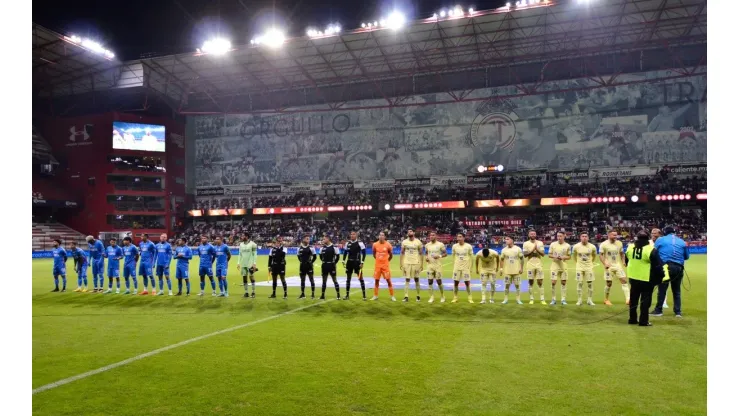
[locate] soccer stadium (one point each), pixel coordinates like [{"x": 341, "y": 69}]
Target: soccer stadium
[{"x": 394, "y": 208}]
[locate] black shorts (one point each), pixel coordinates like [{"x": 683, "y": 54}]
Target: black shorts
[
  {"x": 353, "y": 266},
  {"x": 306, "y": 269},
  {"x": 278, "y": 270},
  {"x": 328, "y": 269}
]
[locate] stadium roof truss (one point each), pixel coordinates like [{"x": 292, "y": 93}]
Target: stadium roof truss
[{"x": 523, "y": 47}]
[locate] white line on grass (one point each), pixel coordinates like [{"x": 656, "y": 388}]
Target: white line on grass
[{"x": 167, "y": 348}]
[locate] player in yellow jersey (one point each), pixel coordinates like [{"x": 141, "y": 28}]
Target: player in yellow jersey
[
  {"x": 463, "y": 254},
  {"x": 434, "y": 251},
  {"x": 584, "y": 254},
  {"x": 411, "y": 263},
  {"x": 612, "y": 257},
  {"x": 534, "y": 250},
  {"x": 511, "y": 264},
  {"x": 559, "y": 252},
  {"x": 486, "y": 265}
]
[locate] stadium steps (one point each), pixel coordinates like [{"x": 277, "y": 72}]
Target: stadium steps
[{"x": 44, "y": 234}]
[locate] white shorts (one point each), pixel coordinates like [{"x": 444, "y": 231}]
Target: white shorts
[
  {"x": 534, "y": 273},
  {"x": 587, "y": 276},
  {"x": 558, "y": 275},
  {"x": 486, "y": 277},
  {"x": 614, "y": 273},
  {"x": 512, "y": 278},
  {"x": 461, "y": 274}
]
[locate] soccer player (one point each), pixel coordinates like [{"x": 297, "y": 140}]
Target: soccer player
[
  {"x": 276, "y": 266},
  {"x": 411, "y": 263},
  {"x": 114, "y": 255},
  {"x": 207, "y": 254},
  {"x": 130, "y": 257},
  {"x": 306, "y": 258},
  {"x": 383, "y": 254},
  {"x": 511, "y": 265},
  {"x": 97, "y": 251},
  {"x": 223, "y": 255},
  {"x": 163, "y": 260},
  {"x": 183, "y": 253},
  {"x": 463, "y": 254},
  {"x": 329, "y": 256},
  {"x": 533, "y": 250},
  {"x": 584, "y": 254},
  {"x": 612, "y": 257},
  {"x": 486, "y": 264},
  {"x": 81, "y": 262},
  {"x": 247, "y": 262},
  {"x": 60, "y": 268},
  {"x": 435, "y": 250},
  {"x": 559, "y": 252},
  {"x": 355, "y": 250},
  {"x": 147, "y": 252}
]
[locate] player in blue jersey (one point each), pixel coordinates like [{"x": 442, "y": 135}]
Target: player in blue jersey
[
  {"x": 97, "y": 254},
  {"x": 183, "y": 254},
  {"x": 207, "y": 254},
  {"x": 81, "y": 263},
  {"x": 60, "y": 268},
  {"x": 164, "y": 257},
  {"x": 130, "y": 257},
  {"x": 147, "y": 252},
  {"x": 114, "y": 253},
  {"x": 223, "y": 255}
]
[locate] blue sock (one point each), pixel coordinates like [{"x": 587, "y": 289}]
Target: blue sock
[
  {"x": 95, "y": 282},
  {"x": 102, "y": 280},
  {"x": 79, "y": 281},
  {"x": 226, "y": 285},
  {"x": 110, "y": 283},
  {"x": 154, "y": 283},
  {"x": 202, "y": 285},
  {"x": 187, "y": 285},
  {"x": 128, "y": 283},
  {"x": 84, "y": 280},
  {"x": 220, "y": 285},
  {"x": 179, "y": 285},
  {"x": 136, "y": 283},
  {"x": 56, "y": 282},
  {"x": 169, "y": 284},
  {"x": 161, "y": 283},
  {"x": 118, "y": 283},
  {"x": 213, "y": 283}
]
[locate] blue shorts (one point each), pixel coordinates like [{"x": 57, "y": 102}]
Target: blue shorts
[
  {"x": 82, "y": 272},
  {"x": 114, "y": 272},
  {"x": 163, "y": 271},
  {"x": 204, "y": 271},
  {"x": 97, "y": 266},
  {"x": 181, "y": 273},
  {"x": 129, "y": 271},
  {"x": 145, "y": 269},
  {"x": 59, "y": 271},
  {"x": 221, "y": 271}
]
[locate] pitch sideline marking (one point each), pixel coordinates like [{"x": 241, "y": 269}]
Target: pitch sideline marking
[{"x": 167, "y": 348}]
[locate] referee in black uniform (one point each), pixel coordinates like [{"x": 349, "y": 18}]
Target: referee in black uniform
[
  {"x": 276, "y": 266},
  {"x": 355, "y": 250},
  {"x": 329, "y": 256},
  {"x": 306, "y": 258}
]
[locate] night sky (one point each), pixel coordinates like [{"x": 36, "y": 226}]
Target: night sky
[{"x": 132, "y": 28}]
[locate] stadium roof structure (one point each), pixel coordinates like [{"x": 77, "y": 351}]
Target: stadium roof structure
[{"x": 522, "y": 46}]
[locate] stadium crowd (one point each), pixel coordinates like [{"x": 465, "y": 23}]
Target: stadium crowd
[
  {"x": 691, "y": 225},
  {"x": 511, "y": 188}
]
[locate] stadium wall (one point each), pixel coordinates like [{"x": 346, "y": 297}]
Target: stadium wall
[
  {"x": 83, "y": 144},
  {"x": 654, "y": 117}
]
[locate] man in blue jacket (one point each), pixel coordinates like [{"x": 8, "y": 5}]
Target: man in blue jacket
[{"x": 673, "y": 252}]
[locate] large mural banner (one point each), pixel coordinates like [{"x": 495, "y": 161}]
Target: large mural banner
[{"x": 649, "y": 118}]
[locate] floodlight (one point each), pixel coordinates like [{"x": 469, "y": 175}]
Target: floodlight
[
  {"x": 471, "y": 11},
  {"x": 217, "y": 46},
  {"x": 396, "y": 20},
  {"x": 500, "y": 168},
  {"x": 443, "y": 13},
  {"x": 434, "y": 16},
  {"x": 481, "y": 169},
  {"x": 363, "y": 25},
  {"x": 387, "y": 207}
]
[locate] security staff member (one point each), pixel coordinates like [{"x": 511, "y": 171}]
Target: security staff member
[
  {"x": 306, "y": 258},
  {"x": 276, "y": 266},
  {"x": 638, "y": 270},
  {"x": 673, "y": 251},
  {"x": 355, "y": 250},
  {"x": 329, "y": 256}
]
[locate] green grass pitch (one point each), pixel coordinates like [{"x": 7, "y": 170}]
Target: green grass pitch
[{"x": 364, "y": 358}]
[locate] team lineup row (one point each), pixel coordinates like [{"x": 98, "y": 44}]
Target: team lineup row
[{"x": 509, "y": 263}]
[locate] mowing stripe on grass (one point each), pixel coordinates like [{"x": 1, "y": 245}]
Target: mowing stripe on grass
[{"x": 169, "y": 347}]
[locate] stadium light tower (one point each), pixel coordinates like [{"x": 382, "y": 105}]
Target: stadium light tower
[
  {"x": 273, "y": 38},
  {"x": 395, "y": 20},
  {"x": 217, "y": 46}
]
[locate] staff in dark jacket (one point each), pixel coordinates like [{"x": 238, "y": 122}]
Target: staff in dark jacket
[
  {"x": 641, "y": 259},
  {"x": 673, "y": 252}
]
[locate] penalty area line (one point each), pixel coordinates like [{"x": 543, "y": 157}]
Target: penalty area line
[{"x": 169, "y": 347}]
